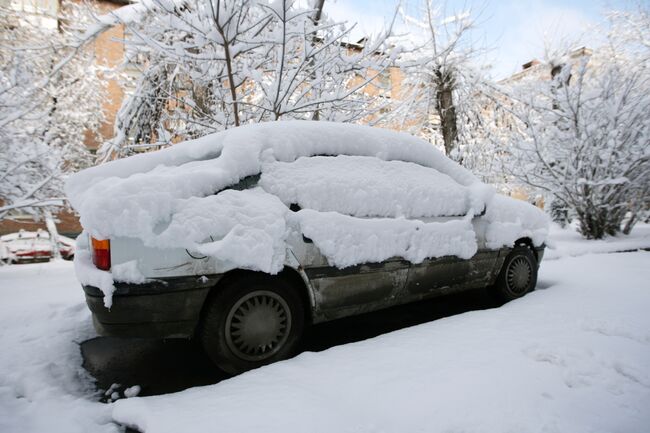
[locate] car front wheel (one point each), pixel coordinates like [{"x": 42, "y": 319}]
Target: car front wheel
[
  {"x": 518, "y": 275},
  {"x": 252, "y": 321}
]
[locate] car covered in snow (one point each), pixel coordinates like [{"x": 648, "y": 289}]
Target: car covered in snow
[
  {"x": 27, "y": 246},
  {"x": 245, "y": 237}
]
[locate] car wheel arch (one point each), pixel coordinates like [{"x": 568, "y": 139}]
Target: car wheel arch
[
  {"x": 528, "y": 243},
  {"x": 288, "y": 274}
]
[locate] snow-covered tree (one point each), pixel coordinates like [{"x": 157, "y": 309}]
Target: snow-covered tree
[
  {"x": 583, "y": 134},
  {"x": 211, "y": 65},
  {"x": 443, "y": 101},
  {"x": 49, "y": 101}
]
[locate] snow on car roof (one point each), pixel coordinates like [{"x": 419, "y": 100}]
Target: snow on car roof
[{"x": 129, "y": 197}]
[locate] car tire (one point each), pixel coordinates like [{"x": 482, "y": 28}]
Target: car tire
[
  {"x": 518, "y": 275},
  {"x": 250, "y": 322}
]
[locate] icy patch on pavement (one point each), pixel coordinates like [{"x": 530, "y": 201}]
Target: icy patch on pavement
[{"x": 572, "y": 357}]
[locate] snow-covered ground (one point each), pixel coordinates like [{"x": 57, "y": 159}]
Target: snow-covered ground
[
  {"x": 574, "y": 356},
  {"x": 568, "y": 243},
  {"x": 43, "y": 318}
]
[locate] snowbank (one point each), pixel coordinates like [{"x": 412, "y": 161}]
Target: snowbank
[{"x": 572, "y": 356}]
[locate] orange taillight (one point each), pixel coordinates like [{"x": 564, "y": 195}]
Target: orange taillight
[{"x": 101, "y": 253}]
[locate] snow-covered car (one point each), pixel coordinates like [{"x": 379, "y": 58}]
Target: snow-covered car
[
  {"x": 26, "y": 246},
  {"x": 245, "y": 237}
]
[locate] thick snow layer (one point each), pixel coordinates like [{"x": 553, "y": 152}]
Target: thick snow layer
[
  {"x": 572, "y": 356},
  {"x": 43, "y": 388},
  {"x": 167, "y": 198},
  {"x": 370, "y": 187},
  {"x": 510, "y": 219},
  {"x": 130, "y": 197},
  {"x": 246, "y": 228},
  {"x": 347, "y": 241}
]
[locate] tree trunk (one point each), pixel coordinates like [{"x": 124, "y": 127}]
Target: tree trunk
[
  {"x": 317, "y": 16},
  {"x": 447, "y": 113},
  {"x": 54, "y": 234}
]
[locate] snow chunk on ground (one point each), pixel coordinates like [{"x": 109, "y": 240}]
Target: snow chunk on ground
[
  {"x": 347, "y": 241},
  {"x": 572, "y": 356},
  {"x": 369, "y": 187}
]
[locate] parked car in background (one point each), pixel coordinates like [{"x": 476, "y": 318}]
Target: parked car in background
[
  {"x": 243, "y": 238},
  {"x": 28, "y": 247}
]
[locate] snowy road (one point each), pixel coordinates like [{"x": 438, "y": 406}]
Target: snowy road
[{"x": 572, "y": 356}]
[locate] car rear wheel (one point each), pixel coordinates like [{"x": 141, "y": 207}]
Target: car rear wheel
[
  {"x": 518, "y": 275},
  {"x": 252, "y": 321}
]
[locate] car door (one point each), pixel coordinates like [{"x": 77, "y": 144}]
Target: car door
[
  {"x": 440, "y": 275},
  {"x": 340, "y": 292}
]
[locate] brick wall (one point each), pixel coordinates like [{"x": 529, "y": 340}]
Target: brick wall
[
  {"x": 108, "y": 51},
  {"x": 66, "y": 222}
]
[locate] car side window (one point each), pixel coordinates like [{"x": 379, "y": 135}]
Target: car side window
[{"x": 247, "y": 182}]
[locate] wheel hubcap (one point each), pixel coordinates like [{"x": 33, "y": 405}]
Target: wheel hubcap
[
  {"x": 519, "y": 275},
  {"x": 258, "y": 325}
]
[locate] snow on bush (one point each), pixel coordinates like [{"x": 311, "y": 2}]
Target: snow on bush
[{"x": 178, "y": 197}]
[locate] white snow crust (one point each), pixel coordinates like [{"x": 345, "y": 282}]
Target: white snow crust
[
  {"x": 347, "y": 241},
  {"x": 348, "y": 179},
  {"x": 369, "y": 187},
  {"x": 510, "y": 219}
]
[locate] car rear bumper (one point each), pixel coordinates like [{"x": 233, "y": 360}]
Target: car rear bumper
[{"x": 164, "y": 308}]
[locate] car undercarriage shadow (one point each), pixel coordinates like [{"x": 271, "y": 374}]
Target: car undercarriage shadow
[{"x": 160, "y": 367}]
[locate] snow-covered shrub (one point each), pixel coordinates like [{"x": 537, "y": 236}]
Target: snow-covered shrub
[
  {"x": 49, "y": 100},
  {"x": 583, "y": 134},
  {"x": 211, "y": 65}
]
